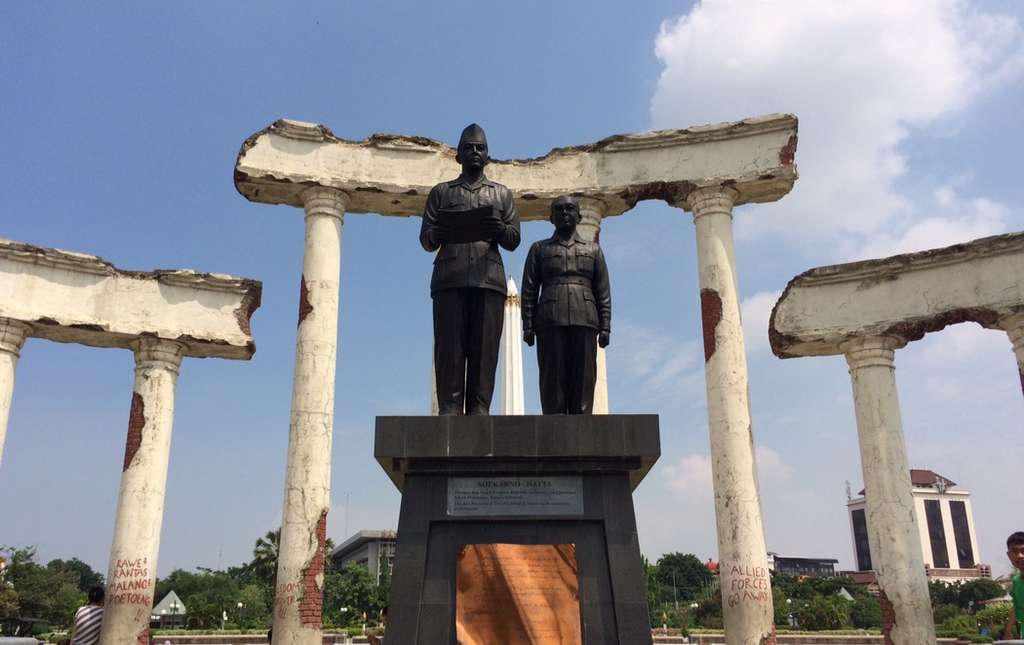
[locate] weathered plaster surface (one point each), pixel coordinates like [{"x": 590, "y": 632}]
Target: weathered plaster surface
[
  {"x": 743, "y": 569},
  {"x": 12, "y": 337},
  {"x": 392, "y": 174},
  {"x": 298, "y": 599},
  {"x": 131, "y": 572},
  {"x": 905, "y": 295},
  {"x": 79, "y": 298},
  {"x": 892, "y": 526},
  {"x": 1014, "y": 326}
]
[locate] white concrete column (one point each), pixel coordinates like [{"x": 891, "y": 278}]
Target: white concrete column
[
  {"x": 591, "y": 213},
  {"x": 131, "y": 572},
  {"x": 743, "y": 568},
  {"x": 12, "y": 337},
  {"x": 512, "y": 395},
  {"x": 1014, "y": 326},
  {"x": 298, "y": 598},
  {"x": 892, "y": 528}
]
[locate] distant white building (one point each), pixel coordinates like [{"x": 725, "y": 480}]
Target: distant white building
[{"x": 945, "y": 521}]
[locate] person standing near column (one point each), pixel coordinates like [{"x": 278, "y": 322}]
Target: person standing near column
[
  {"x": 574, "y": 315},
  {"x": 89, "y": 619},
  {"x": 465, "y": 220}
]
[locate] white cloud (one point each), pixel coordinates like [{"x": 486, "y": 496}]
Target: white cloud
[
  {"x": 656, "y": 365},
  {"x": 861, "y": 75},
  {"x": 973, "y": 218},
  {"x": 770, "y": 466},
  {"x": 690, "y": 478},
  {"x": 756, "y": 311}
]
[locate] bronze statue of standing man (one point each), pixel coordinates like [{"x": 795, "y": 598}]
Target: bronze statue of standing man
[
  {"x": 574, "y": 313},
  {"x": 465, "y": 220}
]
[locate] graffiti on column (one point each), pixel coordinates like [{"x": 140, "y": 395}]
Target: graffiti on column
[
  {"x": 748, "y": 584},
  {"x": 131, "y": 584}
]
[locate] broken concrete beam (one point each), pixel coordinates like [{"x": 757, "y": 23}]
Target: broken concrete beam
[
  {"x": 392, "y": 174},
  {"x": 79, "y": 298},
  {"x": 904, "y": 296}
]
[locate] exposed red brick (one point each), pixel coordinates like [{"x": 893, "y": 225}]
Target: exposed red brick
[
  {"x": 304, "y": 307},
  {"x": 888, "y": 618},
  {"x": 711, "y": 315},
  {"x": 136, "y": 420},
  {"x": 250, "y": 302},
  {"x": 788, "y": 152},
  {"x": 143, "y": 638},
  {"x": 674, "y": 193},
  {"x": 769, "y": 639},
  {"x": 311, "y": 601}
]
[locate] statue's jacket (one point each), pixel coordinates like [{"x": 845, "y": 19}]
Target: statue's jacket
[
  {"x": 566, "y": 283},
  {"x": 471, "y": 264}
]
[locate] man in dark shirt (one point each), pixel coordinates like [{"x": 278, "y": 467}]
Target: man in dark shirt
[
  {"x": 573, "y": 316},
  {"x": 468, "y": 282}
]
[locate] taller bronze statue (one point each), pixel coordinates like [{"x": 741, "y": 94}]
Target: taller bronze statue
[
  {"x": 465, "y": 220},
  {"x": 574, "y": 314}
]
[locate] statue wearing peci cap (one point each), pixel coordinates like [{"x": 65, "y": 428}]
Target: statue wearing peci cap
[{"x": 465, "y": 220}]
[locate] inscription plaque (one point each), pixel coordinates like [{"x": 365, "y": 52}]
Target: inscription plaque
[
  {"x": 515, "y": 495},
  {"x": 517, "y": 594}
]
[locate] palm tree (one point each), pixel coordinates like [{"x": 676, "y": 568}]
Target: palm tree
[{"x": 264, "y": 556}]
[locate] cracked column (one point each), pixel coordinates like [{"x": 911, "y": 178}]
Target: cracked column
[
  {"x": 592, "y": 211},
  {"x": 12, "y": 338},
  {"x": 745, "y": 583},
  {"x": 298, "y": 600},
  {"x": 1014, "y": 326},
  {"x": 131, "y": 572},
  {"x": 892, "y": 528}
]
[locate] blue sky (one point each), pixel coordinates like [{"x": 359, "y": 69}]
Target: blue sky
[{"x": 120, "y": 126}]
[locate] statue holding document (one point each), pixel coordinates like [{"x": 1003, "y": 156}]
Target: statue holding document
[{"x": 465, "y": 220}]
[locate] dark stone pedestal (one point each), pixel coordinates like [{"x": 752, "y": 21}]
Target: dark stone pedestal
[{"x": 601, "y": 458}]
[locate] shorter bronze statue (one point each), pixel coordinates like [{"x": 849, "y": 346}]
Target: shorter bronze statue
[{"x": 567, "y": 308}]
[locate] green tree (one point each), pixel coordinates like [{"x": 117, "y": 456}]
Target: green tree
[
  {"x": 349, "y": 594},
  {"x": 866, "y": 612},
  {"x": 681, "y": 578},
  {"x": 974, "y": 591},
  {"x": 264, "y": 557},
  {"x": 709, "y": 612},
  {"x": 205, "y": 593},
  {"x": 825, "y": 612},
  {"x": 86, "y": 577},
  {"x": 255, "y": 610},
  {"x": 780, "y": 606},
  {"x": 994, "y": 618},
  {"x": 48, "y": 594},
  {"x": 942, "y": 613}
]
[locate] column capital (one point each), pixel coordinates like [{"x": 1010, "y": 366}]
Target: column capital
[
  {"x": 322, "y": 200},
  {"x": 871, "y": 351},
  {"x": 12, "y": 336},
  {"x": 709, "y": 200},
  {"x": 593, "y": 205},
  {"x": 592, "y": 210},
  {"x": 158, "y": 353}
]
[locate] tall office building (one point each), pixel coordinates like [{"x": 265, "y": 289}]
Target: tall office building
[{"x": 945, "y": 522}]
